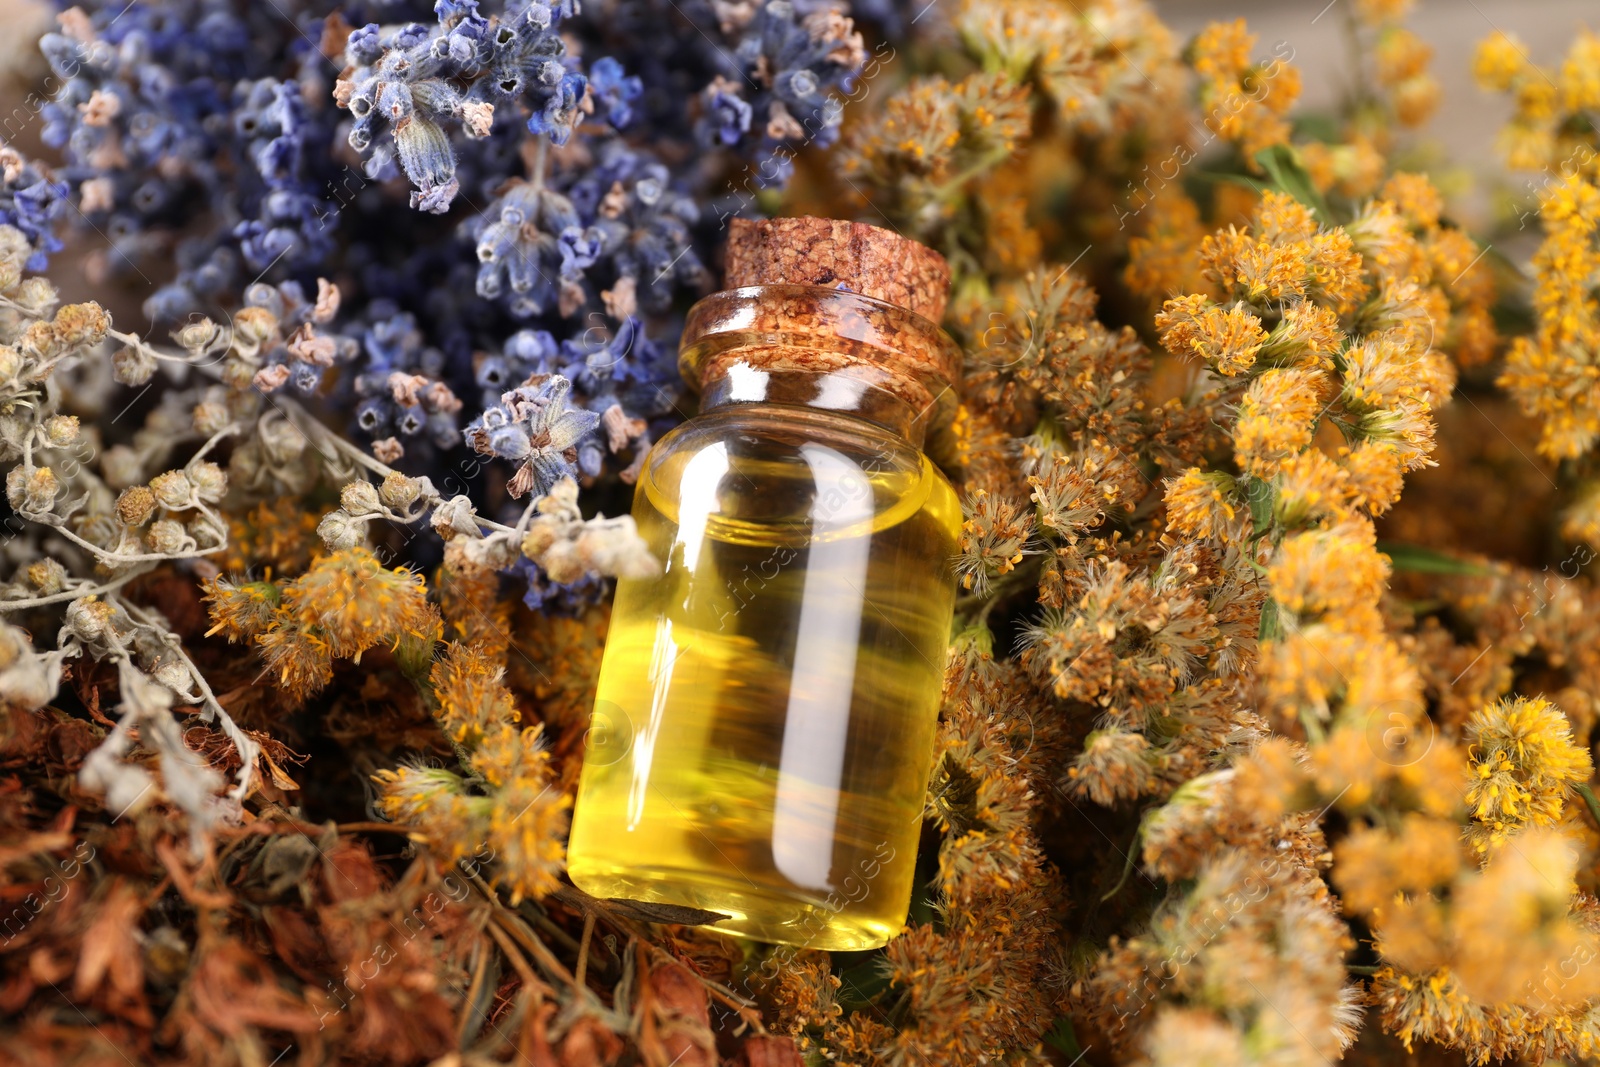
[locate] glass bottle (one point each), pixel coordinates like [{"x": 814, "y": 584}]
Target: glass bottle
[{"x": 765, "y": 713}]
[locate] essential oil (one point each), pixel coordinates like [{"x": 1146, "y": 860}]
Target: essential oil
[{"x": 765, "y": 712}]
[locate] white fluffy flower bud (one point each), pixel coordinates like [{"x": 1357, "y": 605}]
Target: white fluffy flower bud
[
  {"x": 338, "y": 532},
  {"x": 360, "y": 497}
]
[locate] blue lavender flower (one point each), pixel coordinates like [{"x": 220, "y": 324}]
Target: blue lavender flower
[
  {"x": 534, "y": 427},
  {"x": 33, "y": 201},
  {"x": 557, "y": 598},
  {"x": 615, "y": 90},
  {"x": 254, "y": 150}
]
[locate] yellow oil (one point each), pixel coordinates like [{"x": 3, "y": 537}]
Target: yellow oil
[{"x": 766, "y": 708}]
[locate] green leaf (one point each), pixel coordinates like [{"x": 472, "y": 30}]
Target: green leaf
[
  {"x": 861, "y": 981},
  {"x": 1061, "y": 1036},
  {"x": 1283, "y": 167},
  {"x": 1421, "y": 559},
  {"x": 1261, "y": 497},
  {"x": 1271, "y": 625}
]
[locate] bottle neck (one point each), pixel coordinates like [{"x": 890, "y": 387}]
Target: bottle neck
[
  {"x": 840, "y": 392},
  {"x": 825, "y": 349}
]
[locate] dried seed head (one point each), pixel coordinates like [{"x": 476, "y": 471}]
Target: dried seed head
[
  {"x": 197, "y": 336},
  {"x": 360, "y": 498},
  {"x": 173, "y": 489},
  {"x": 133, "y": 366},
  {"x": 211, "y": 416},
  {"x": 32, "y": 492},
  {"x": 282, "y": 441},
  {"x": 209, "y": 480},
  {"x": 47, "y": 576},
  {"x": 121, "y": 467},
  {"x": 35, "y": 295},
  {"x": 61, "y": 429},
  {"x": 87, "y": 618},
  {"x": 454, "y": 518},
  {"x": 254, "y": 325},
  {"x": 398, "y": 491},
  {"x": 166, "y": 536},
  {"x": 338, "y": 532},
  {"x": 173, "y": 673}
]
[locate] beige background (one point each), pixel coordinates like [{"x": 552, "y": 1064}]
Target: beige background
[{"x": 1468, "y": 117}]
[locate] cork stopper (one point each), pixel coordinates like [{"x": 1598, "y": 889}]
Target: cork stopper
[
  {"x": 851, "y": 256},
  {"x": 831, "y": 314}
]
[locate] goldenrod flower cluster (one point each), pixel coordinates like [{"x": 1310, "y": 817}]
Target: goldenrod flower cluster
[
  {"x": 1550, "y": 130},
  {"x": 510, "y": 813}
]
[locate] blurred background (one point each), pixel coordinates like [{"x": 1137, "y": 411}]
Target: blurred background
[
  {"x": 1457, "y": 147},
  {"x": 1464, "y": 127}
]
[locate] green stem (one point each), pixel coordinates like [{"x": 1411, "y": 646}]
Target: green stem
[
  {"x": 1127, "y": 868},
  {"x": 1589, "y": 801}
]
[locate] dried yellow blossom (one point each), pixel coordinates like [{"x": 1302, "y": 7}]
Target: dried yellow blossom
[
  {"x": 1161, "y": 260},
  {"x": 1226, "y": 338},
  {"x": 1307, "y": 336},
  {"x": 1555, "y": 374},
  {"x": 1376, "y": 475},
  {"x": 1524, "y": 763},
  {"x": 1382, "y": 237},
  {"x": 1401, "y": 55},
  {"x": 1242, "y": 99},
  {"x": 1415, "y": 198},
  {"x": 432, "y": 801},
  {"x": 1335, "y": 576},
  {"x": 472, "y": 699},
  {"x": 241, "y": 611},
  {"x": 1580, "y": 73},
  {"x": 1377, "y": 12},
  {"x": 1498, "y": 60},
  {"x": 1312, "y": 487},
  {"x": 353, "y": 601},
  {"x": 1373, "y": 864},
  {"x": 1354, "y": 169},
  {"x": 299, "y": 661},
  {"x": 1200, "y": 504},
  {"x": 1277, "y": 418},
  {"x": 993, "y": 539},
  {"x": 1279, "y": 218}
]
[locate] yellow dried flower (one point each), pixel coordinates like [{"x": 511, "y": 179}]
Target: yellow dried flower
[
  {"x": 1162, "y": 260},
  {"x": 472, "y": 700},
  {"x": 1580, "y": 73},
  {"x": 1334, "y": 576},
  {"x": 433, "y": 801},
  {"x": 1524, "y": 763},
  {"x": 1312, "y": 487},
  {"x": 1378, "y": 12},
  {"x": 298, "y": 660},
  {"x": 1415, "y": 198},
  {"x": 1401, "y": 55},
  {"x": 1226, "y": 338},
  {"x": 1277, "y": 418},
  {"x": 1373, "y": 864},
  {"x": 528, "y": 832},
  {"x": 1200, "y": 505},
  {"x": 240, "y": 612},
  {"x": 1377, "y": 474},
  {"x": 353, "y": 601},
  {"x": 1498, "y": 61},
  {"x": 993, "y": 539}
]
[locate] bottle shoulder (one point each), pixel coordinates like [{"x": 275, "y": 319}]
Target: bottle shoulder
[{"x": 777, "y": 473}]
